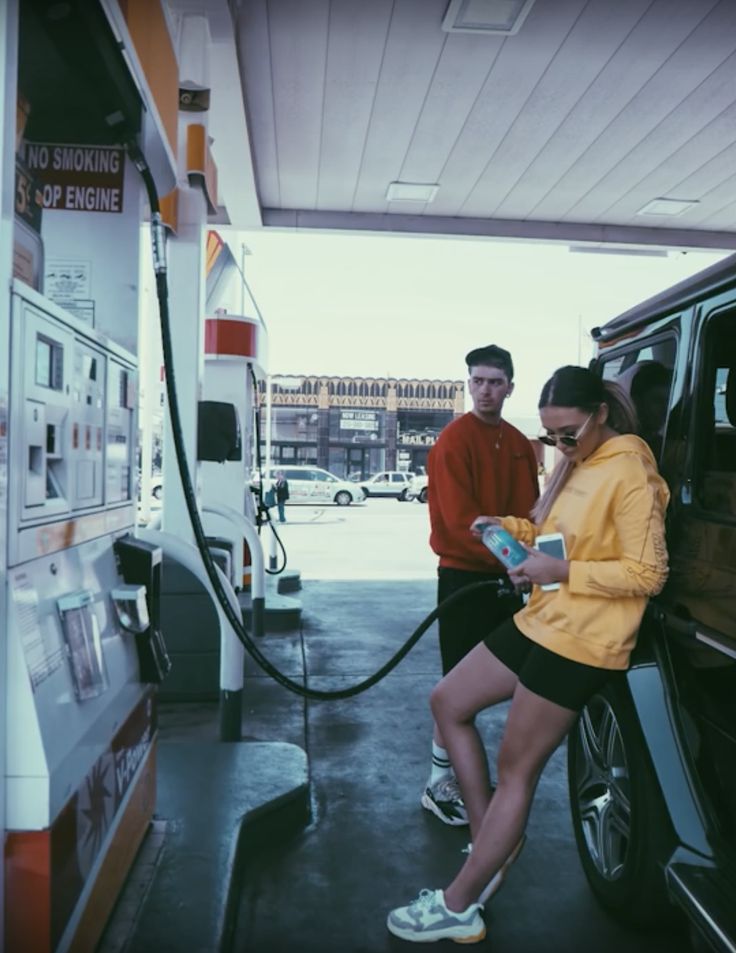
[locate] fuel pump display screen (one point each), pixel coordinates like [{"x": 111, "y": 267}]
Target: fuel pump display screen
[{"x": 49, "y": 363}]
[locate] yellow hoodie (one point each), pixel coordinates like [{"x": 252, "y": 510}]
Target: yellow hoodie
[{"x": 611, "y": 513}]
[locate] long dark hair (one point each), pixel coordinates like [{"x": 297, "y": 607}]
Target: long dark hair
[{"x": 573, "y": 386}]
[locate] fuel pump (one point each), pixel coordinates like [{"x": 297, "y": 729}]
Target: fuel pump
[
  {"x": 235, "y": 361},
  {"x": 80, "y": 594}
]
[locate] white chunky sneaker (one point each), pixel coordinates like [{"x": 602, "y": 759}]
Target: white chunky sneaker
[{"x": 427, "y": 919}]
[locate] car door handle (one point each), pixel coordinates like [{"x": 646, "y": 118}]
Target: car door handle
[
  {"x": 680, "y": 622},
  {"x": 716, "y": 641}
]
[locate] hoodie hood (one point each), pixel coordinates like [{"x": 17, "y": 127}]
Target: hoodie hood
[
  {"x": 624, "y": 443},
  {"x": 631, "y": 446}
]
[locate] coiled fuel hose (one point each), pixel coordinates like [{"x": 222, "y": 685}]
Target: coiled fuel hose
[{"x": 158, "y": 240}]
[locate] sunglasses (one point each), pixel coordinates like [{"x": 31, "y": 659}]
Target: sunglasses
[{"x": 567, "y": 440}]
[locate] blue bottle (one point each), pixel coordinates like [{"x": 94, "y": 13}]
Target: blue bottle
[{"x": 504, "y": 547}]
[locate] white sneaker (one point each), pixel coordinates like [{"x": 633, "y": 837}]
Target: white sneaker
[{"x": 427, "y": 919}]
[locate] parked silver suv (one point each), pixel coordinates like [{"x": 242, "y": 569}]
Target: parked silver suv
[{"x": 388, "y": 483}]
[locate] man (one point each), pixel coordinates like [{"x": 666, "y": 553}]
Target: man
[{"x": 480, "y": 465}]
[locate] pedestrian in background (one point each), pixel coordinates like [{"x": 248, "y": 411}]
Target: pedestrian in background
[
  {"x": 281, "y": 489},
  {"x": 608, "y": 501},
  {"x": 479, "y": 464}
]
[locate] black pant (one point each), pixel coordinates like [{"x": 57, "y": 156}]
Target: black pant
[{"x": 470, "y": 619}]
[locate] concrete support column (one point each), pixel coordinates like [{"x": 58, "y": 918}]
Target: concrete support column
[
  {"x": 392, "y": 416},
  {"x": 323, "y": 438},
  {"x": 323, "y": 426},
  {"x": 390, "y": 425}
]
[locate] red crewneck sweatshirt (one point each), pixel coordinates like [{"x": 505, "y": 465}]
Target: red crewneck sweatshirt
[{"x": 477, "y": 469}]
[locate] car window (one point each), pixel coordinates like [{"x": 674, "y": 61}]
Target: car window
[
  {"x": 322, "y": 476},
  {"x": 715, "y": 476},
  {"x": 397, "y": 477},
  {"x": 295, "y": 475},
  {"x": 646, "y": 372}
]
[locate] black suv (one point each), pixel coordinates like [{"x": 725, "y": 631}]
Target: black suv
[{"x": 652, "y": 760}]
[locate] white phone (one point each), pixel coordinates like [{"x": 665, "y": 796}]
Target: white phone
[{"x": 554, "y": 545}]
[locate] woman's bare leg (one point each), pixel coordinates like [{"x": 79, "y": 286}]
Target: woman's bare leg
[
  {"x": 534, "y": 729},
  {"x": 478, "y": 681}
]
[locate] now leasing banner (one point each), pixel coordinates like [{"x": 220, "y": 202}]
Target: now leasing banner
[{"x": 78, "y": 178}]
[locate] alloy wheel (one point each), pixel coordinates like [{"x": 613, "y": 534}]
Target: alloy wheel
[{"x": 603, "y": 788}]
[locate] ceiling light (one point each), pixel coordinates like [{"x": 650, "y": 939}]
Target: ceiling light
[
  {"x": 411, "y": 191},
  {"x": 617, "y": 250},
  {"x": 486, "y": 16},
  {"x": 667, "y": 206}
]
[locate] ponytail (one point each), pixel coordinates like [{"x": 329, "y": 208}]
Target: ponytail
[
  {"x": 622, "y": 414},
  {"x": 578, "y": 387}
]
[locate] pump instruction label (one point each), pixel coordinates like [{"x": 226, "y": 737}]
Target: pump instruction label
[
  {"x": 77, "y": 178},
  {"x": 42, "y": 647}
]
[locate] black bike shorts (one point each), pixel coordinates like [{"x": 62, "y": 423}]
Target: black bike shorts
[{"x": 559, "y": 680}]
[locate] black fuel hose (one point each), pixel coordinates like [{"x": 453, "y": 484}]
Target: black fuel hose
[{"x": 158, "y": 239}]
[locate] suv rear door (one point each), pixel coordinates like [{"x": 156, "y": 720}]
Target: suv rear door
[{"x": 700, "y": 596}]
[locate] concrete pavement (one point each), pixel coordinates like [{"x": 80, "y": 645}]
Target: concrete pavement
[{"x": 368, "y": 845}]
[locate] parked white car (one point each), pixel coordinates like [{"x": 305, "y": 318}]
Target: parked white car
[
  {"x": 388, "y": 483},
  {"x": 309, "y": 484}
]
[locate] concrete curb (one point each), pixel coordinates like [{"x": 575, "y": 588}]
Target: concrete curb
[{"x": 219, "y": 801}]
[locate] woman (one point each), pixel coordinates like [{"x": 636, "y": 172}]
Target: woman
[
  {"x": 281, "y": 489},
  {"x": 607, "y": 499}
]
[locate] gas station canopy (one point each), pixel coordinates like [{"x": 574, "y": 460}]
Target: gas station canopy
[{"x": 582, "y": 121}]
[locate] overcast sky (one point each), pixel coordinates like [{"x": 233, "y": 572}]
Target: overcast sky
[{"x": 364, "y": 305}]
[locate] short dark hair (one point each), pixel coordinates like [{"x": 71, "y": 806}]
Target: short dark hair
[{"x": 491, "y": 356}]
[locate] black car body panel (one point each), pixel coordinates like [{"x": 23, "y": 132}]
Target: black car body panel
[{"x": 682, "y": 682}]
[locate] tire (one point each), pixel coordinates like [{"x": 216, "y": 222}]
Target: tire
[
  {"x": 620, "y": 821},
  {"x": 343, "y": 498},
  {"x": 402, "y": 496},
  {"x": 422, "y": 495},
  {"x": 157, "y": 492}
]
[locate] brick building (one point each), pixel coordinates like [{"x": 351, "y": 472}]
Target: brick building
[{"x": 359, "y": 425}]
